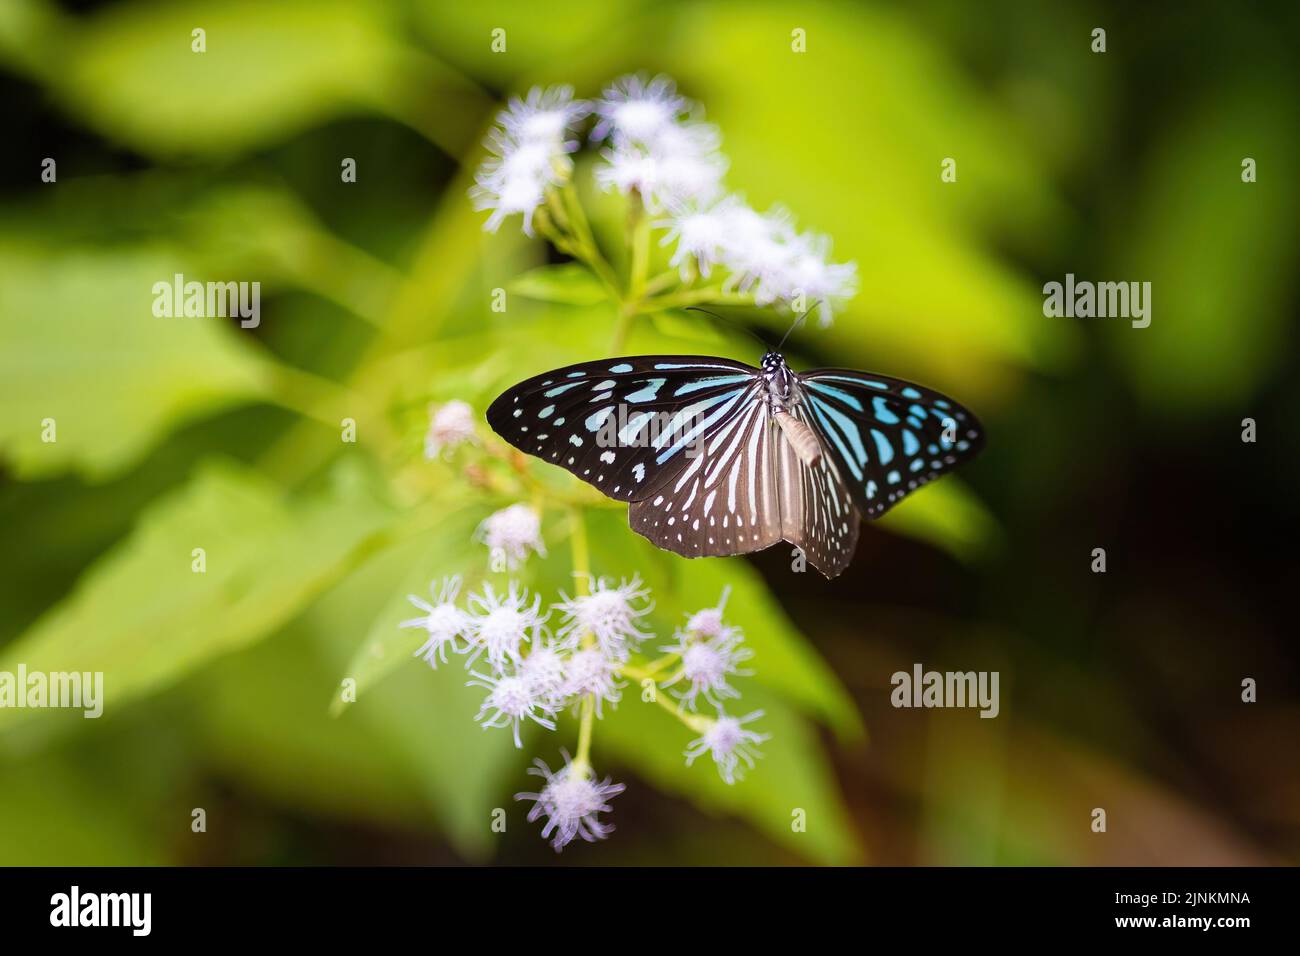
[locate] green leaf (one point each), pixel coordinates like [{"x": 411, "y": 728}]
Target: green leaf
[
  {"x": 80, "y": 347},
  {"x": 269, "y": 70},
  {"x": 568, "y": 284},
  {"x": 947, "y": 514},
  {"x": 386, "y": 645},
  {"x": 408, "y": 753},
  {"x": 1220, "y": 312},
  {"x": 792, "y": 775},
  {"x": 145, "y": 618},
  {"x": 425, "y": 715},
  {"x": 260, "y": 723}
]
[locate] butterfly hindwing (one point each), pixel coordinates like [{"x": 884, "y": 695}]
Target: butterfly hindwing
[
  {"x": 625, "y": 425},
  {"x": 887, "y": 436},
  {"x": 817, "y": 509}
]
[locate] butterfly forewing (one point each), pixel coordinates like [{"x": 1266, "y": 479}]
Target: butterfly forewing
[
  {"x": 726, "y": 499},
  {"x": 626, "y": 425},
  {"x": 886, "y": 436}
]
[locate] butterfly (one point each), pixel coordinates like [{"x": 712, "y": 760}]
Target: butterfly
[{"x": 716, "y": 457}]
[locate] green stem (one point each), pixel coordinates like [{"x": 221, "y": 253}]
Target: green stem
[
  {"x": 664, "y": 280},
  {"x": 588, "y": 252},
  {"x": 622, "y": 325},
  {"x": 582, "y": 568},
  {"x": 640, "y": 251}
]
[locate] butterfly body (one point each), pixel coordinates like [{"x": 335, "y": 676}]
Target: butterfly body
[{"x": 717, "y": 458}]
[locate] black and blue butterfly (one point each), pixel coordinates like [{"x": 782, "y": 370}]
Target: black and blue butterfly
[{"x": 720, "y": 458}]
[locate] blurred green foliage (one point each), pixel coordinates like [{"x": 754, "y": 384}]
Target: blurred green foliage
[{"x": 176, "y": 434}]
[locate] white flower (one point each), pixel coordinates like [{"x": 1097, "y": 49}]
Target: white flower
[
  {"x": 570, "y": 802},
  {"x": 510, "y": 534},
  {"x": 505, "y": 622},
  {"x": 628, "y": 167},
  {"x": 758, "y": 251},
  {"x": 707, "y": 665},
  {"x": 506, "y": 194},
  {"x": 729, "y": 744},
  {"x": 443, "y": 621},
  {"x": 529, "y": 153},
  {"x": 689, "y": 166},
  {"x": 701, "y": 234},
  {"x": 543, "y": 672},
  {"x": 769, "y": 259},
  {"x": 510, "y": 700},
  {"x": 636, "y": 111},
  {"x": 589, "y": 671},
  {"x": 609, "y": 613},
  {"x": 811, "y": 275},
  {"x": 450, "y": 425},
  {"x": 544, "y": 116},
  {"x": 708, "y": 622},
  {"x": 682, "y": 165}
]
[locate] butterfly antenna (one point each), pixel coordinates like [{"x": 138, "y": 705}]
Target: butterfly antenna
[
  {"x": 795, "y": 324},
  {"x": 736, "y": 325}
]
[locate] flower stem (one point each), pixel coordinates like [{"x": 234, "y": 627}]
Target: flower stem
[
  {"x": 585, "y": 241},
  {"x": 640, "y": 250},
  {"x": 582, "y": 760},
  {"x": 696, "y": 722},
  {"x": 581, "y": 765},
  {"x": 581, "y": 552},
  {"x": 622, "y": 325},
  {"x": 664, "y": 280}
]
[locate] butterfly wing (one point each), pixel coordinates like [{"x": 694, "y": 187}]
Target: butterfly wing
[
  {"x": 887, "y": 437},
  {"x": 817, "y": 508},
  {"x": 726, "y": 500},
  {"x": 628, "y": 425}
]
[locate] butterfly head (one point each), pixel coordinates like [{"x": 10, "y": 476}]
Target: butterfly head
[{"x": 779, "y": 378}]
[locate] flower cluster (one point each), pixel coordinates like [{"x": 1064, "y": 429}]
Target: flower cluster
[
  {"x": 655, "y": 148},
  {"x": 576, "y": 656},
  {"x": 530, "y": 151}
]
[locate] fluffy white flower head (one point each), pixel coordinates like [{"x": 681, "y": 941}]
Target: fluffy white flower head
[
  {"x": 589, "y": 671},
  {"x": 708, "y": 622},
  {"x": 681, "y": 165},
  {"x": 637, "y": 110},
  {"x": 443, "y": 621},
  {"x": 701, "y": 232},
  {"x": 543, "y": 672},
  {"x": 708, "y": 666},
  {"x": 571, "y": 803},
  {"x": 730, "y": 745},
  {"x": 544, "y": 116},
  {"x": 502, "y": 624},
  {"x": 510, "y": 701},
  {"x": 510, "y": 534},
  {"x": 530, "y": 150},
  {"x": 450, "y": 424},
  {"x": 610, "y": 614}
]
